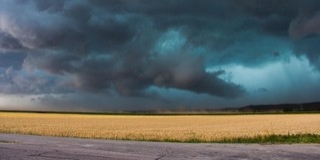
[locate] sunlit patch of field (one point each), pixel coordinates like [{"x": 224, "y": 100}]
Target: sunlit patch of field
[{"x": 203, "y": 128}]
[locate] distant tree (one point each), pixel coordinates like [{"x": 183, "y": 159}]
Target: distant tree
[{"x": 287, "y": 109}]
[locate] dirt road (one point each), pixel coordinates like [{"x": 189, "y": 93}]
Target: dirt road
[{"x": 41, "y": 147}]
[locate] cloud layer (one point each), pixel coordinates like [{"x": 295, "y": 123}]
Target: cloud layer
[{"x": 125, "y": 48}]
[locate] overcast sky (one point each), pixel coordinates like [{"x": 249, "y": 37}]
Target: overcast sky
[{"x": 157, "y": 54}]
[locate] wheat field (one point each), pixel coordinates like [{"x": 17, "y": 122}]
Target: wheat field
[{"x": 204, "y": 128}]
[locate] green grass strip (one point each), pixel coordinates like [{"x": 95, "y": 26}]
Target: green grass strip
[
  {"x": 259, "y": 139},
  {"x": 274, "y": 139},
  {"x": 3, "y": 141}
]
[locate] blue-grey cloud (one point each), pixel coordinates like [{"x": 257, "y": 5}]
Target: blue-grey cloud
[{"x": 124, "y": 48}]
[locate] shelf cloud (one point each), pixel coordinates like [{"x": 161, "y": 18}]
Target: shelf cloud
[{"x": 143, "y": 50}]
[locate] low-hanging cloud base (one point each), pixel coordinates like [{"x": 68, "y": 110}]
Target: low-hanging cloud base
[{"x": 133, "y": 55}]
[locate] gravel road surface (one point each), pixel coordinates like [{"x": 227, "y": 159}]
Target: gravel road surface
[{"x": 13, "y": 146}]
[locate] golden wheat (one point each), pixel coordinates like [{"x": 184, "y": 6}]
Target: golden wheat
[{"x": 181, "y": 128}]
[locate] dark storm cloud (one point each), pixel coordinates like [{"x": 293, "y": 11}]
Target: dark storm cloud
[
  {"x": 305, "y": 30},
  {"x": 13, "y": 60},
  {"x": 25, "y": 82},
  {"x": 126, "y": 47},
  {"x": 298, "y": 20},
  {"x": 310, "y": 48},
  {"x": 8, "y": 43},
  {"x": 109, "y": 45}
]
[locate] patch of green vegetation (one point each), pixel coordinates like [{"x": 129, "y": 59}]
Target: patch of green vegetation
[
  {"x": 274, "y": 139},
  {"x": 3, "y": 141},
  {"x": 271, "y": 139},
  {"x": 260, "y": 139}
]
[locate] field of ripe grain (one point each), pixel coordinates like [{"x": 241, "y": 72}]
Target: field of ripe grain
[{"x": 203, "y": 128}]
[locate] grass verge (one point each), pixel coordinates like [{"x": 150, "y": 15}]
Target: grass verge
[
  {"x": 3, "y": 141},
  {"x": 275, "y": 139},
  {"x": 259, "y": 139}
]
